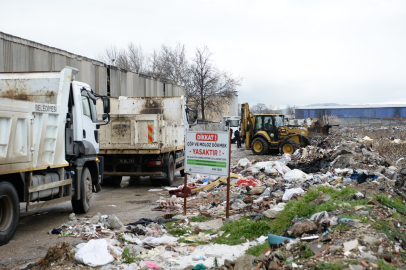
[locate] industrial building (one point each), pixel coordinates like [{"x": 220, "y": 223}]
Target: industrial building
[
  {"x": 375, "y": 111},
  {"x": 23, "y": 55}
]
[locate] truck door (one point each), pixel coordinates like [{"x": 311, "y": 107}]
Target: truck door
[{"x": 89, "y": 120}]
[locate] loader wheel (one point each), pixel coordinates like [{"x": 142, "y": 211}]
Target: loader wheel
[
  {"x": 9, "y": 212},
  {"x": 83, "y": 204},
  {"x": 259, "y": 146},
  {"x": 288, "y": 147}
]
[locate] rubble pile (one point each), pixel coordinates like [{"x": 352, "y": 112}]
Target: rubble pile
[{"x": 338, "y": 203}]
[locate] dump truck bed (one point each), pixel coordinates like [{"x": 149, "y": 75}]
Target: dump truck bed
[
  {"x": 145, "y": 126},
  {"x": 32, "y": 120}
]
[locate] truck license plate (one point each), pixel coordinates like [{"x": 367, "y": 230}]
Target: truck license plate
[{"x": 126, "y": 160}]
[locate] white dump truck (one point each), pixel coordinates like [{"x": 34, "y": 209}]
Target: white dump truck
[
  {"x": 232, "y": 123},
  {"x": 146, "y": 137},
  {"x": 49, "y": 140}
]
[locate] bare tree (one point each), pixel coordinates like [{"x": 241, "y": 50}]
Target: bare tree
[
  {"x": 171, "y": 64},
  {"x": 290, "y": 110},
  {"x": 113, "y": 56},
  {"x": 207, "y": 82},
  {"x": 260, "y": 108},
  {"x": 138, "y": 60},
  {"x": 132, "y": 59}
]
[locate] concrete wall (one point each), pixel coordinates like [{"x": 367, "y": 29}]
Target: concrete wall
[
  {"x": 22, "y": 55},
  {"x": 206, "y": 127}
]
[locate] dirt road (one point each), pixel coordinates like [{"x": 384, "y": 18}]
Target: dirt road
[{"x": 129, "y": 203}]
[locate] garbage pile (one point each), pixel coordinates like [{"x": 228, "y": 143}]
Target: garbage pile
[{"x": 338, "y": 203}]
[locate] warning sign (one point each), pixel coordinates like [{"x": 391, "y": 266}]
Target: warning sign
[{"x": 207, "y": 152}]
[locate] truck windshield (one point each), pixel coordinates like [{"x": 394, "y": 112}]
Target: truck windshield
[{"x": 234, "y": 123}]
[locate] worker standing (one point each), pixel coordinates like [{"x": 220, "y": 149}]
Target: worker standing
[{"x": 237, "y": 138}]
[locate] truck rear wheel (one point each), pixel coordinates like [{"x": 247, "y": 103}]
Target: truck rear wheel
[
  {"x": 117, "y": 181},
  {"x": 259, "y": 146},
  {"x": 170, "y": 172},
  {"x": 82, "y": 206},
  {"x": 288, "y": 147},
  {"x": 9, "y": 212}
]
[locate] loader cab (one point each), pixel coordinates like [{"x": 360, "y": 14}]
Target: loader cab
[{"x": 270, "y": 124}]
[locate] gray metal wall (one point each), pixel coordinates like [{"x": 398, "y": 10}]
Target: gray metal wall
[{"x": 22, "y": 55}]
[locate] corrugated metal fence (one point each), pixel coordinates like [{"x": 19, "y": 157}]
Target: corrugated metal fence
[{"x": 22, "y": 55}]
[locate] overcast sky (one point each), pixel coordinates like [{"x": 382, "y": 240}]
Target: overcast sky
[{"x": 288, "y": 52}]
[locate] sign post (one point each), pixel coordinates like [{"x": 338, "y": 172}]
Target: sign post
[{"x": 208, "y": 152}]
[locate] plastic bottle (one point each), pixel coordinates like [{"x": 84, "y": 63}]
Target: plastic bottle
[{"x": 198, "y": 257}]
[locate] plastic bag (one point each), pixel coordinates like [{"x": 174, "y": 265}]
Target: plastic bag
[
  {"x": 152, "y": 265},
  {"x": 296, "y": 175},
  {"x": 281, "y": 168},
  {"x": 318, "y": 218},
  {"x": 290, "y": 192},
  {"x": 94, "y": 253},
  {"x": 244, "y": 163},
  {"x": 168, "y": 240},
  {"x": 287, "y": 156}
]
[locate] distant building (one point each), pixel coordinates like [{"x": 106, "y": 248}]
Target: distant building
[{"x": 375, "y": 111}]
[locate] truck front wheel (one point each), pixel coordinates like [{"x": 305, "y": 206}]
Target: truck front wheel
[
  {"x": 82, "y": 206},
  {"x": 9, "y": 212}
]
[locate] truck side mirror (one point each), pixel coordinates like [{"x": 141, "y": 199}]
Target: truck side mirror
[
  {"x": 106, "y": 117},
  {"x": 106, "y": 105}
]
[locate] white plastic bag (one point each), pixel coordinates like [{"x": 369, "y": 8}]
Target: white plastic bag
[
  {"x": 290, "y": 192},
  {"x": 279, "y": 207},
  {"x": 167, "y": 240},
  {"x": 287, "y": 157},
  {"x": 296, "y": 175},
  {"x": 94, "y": 253},
  {"x": 318, "y": 218},
  {"x": 244, "y": 163},
  {"x": 282, "y": 168}
]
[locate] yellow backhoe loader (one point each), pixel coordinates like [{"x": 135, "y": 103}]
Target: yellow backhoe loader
[{"x": 263, "y": 132}]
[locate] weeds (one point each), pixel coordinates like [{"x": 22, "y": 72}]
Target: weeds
[
  {"x": 385, "y": 266},
  {"x": 127, "y": 256},
  {"x": 178, "y": 231},
  {"x": 335, "y": 266},
  {"x": 303, "y": 208},
  {"x": 183, "y": 240},
  {"x": 241, "y": 230},
  {"x": 393, "y": 233},
  {"x": 199, "y": 219},
  {"x": 258, "y": 249},
  {"x": 396, "y": 203}
]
